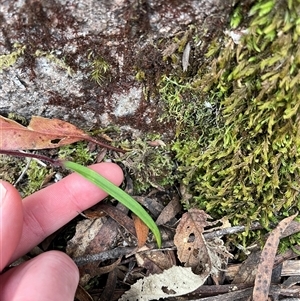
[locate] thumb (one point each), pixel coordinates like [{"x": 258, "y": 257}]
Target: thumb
[{"x": 11, "y": 221}]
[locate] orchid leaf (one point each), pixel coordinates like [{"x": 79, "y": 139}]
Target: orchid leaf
[{"x": 116, "y": 193}]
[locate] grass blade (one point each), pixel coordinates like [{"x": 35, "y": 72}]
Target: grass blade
[{"x": 116, "y": 193}]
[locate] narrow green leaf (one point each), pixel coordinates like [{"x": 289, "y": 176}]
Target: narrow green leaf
[{"x": 116, "y": 193}]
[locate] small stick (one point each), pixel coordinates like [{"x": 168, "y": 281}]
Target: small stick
[
  {"x": 102, "y": 144},
  {"x": 23, "y": 172},
  {"x": 54, "y": 162}
]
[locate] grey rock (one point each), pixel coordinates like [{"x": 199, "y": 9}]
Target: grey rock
[{"x": 52, "y": 78}]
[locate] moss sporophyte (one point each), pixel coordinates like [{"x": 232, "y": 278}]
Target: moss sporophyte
[{"x": 239, "y": 155}]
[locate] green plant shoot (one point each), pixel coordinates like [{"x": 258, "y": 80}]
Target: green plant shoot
[{"x": 116, "y": 193}]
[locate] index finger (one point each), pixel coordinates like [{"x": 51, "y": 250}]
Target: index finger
[{"x": 49, "y": 209}]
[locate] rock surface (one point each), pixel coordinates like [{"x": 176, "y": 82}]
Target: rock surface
[{"x": 55, "y": 47}]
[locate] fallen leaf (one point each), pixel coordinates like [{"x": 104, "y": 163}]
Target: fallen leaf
[
  {"x": 155, "y": 262},
  {"x": 92, "y": 237},
  {"x": 119, "y": 216},
  {"x": 247, "y": 271},
  {"x": 204, "y": 257},
  {"x": 293, "y": 227},
  {"x": 41, "y": 133},
  {"x": 82, "y": 294},
  {"x": 169, "y": 212},
  {"x": 141, "y": 229},
  {"x": 265, "y": 267},
  {"x": 110, "y": 286},
  {"x": 173, "y": 282},
  {"x": 151, "y": 204},
  {"x": 191, "y": 247}
]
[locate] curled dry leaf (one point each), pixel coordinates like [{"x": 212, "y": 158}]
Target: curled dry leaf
[
  {"x": 265, "y": 267},
  {"x": 141, "y": 229}
]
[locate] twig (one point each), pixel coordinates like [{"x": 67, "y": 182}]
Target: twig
[
  {"x": 114, "y": 253},
  {"x": 23, "y": 172},
  {"x": 231, "y": 230},
  {"x": 54, "y": 162},
  {"x": 122, "y": 251},
  {"x": 102, "y": 144},
  {"x": 117, "y": 252}
]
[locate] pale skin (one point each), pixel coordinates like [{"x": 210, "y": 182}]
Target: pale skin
[{"x": 25, "y": 223}]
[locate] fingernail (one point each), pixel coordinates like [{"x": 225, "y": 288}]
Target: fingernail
[{"x": 2, "y": 194}]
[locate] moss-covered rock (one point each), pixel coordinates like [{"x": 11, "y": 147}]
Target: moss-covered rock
[{"x": 238, "y": 118}]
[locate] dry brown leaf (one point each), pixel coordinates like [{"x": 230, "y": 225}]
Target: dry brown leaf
[
  {"x": 247, "y": 271},
  {"x": 191, "y": 247},
  {"x": 141, "y": 230},
  {"x": 92, "y": 237},
  {"x": 265, "y": 267},
  {"x": 41, "y": 133},
  {"x": 155, "y": 262},
  {"x": 107, "y": 268},
  {"x": 120, "y": 216},
  {"x": 293, "y": 227},
  {"x": 204, "y": 257},
  {"x": 110, "y": 287},
  {"x": 169, "y": 212},
  {"x": 82, "y": 294}
]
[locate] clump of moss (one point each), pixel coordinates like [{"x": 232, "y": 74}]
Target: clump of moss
[
  {"x": 36, "y": 176},
  {"x": 7, "y": 60},
  {"x": 238, "y": 120},
  {"x": 10, "y": 168},
  {"x": 77, "y": 152},
  {"x": 29, "y": 174},
  {"x": 53, "y": 58},
  {"x": 148, "y": 166},
  {"x": 99, "y": 68}
]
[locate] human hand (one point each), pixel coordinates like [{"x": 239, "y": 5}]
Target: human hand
[{"x": 24, "y": 224}]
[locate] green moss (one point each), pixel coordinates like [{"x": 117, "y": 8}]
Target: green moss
[
  {"x": 148, "y": 166},
  {"x": 11, "y": 168},
  {"x": 18, "y": 118},
  {"x": 36, "y": 175},
  {"x": 7, "y": 60},
  {"x": 140, "y": 75},
  {"x": 236, "y": 18},
  {"x": 99, "y": 68},
  {"x": 53, "y": 58},
  {"x": 77, "y": 152},
  {"x": 237, "y": 121}
]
